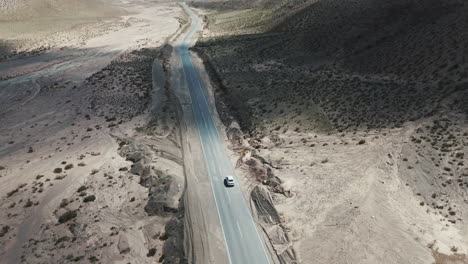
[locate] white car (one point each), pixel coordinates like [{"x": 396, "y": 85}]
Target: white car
[{"x": 229, "y": 181}]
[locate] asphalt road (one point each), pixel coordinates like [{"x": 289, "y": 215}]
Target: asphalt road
[{"x": 243, "y": 241}]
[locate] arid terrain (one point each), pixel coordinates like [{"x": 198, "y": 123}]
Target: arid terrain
[
  {"x": 346, "y": 120},
  {"x": 90, "y": 158},
  {"x": 353, "y": 114}
]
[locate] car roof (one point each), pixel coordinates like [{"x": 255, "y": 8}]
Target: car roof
[{"x": 229, "y": 177}]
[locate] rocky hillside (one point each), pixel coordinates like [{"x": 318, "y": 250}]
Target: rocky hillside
[
  {"x": 360, "y": 103},
  {"x": 369, "y": 65}
]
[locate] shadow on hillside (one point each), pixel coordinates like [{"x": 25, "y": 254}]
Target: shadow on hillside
[{"x": 367, "y": 67}]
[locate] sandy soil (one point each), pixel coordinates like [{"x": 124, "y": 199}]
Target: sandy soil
[{"x": 69, "y": 190}]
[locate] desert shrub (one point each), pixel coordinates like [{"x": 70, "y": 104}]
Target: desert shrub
[
  {"x": 69, "y": 166},
  {"x": 2, "y": 167},
  {"x": 151, "y": 252},
  {"x": 62, "y": 239},
  {"x": 90, "y": 198},
  {"x": 10, "y": 193},
  {"x": 82, "y": 188},
  {"x": 4, "y": 230},
  {"x": 57, "y": 170},
  {"x": 77, "y": 259},
  {"x": 67, "y": 216},
  {"x": 28, "y": 203},
  {"x": 362, "y": 141},
  {"x": 64, "y": 203},
  {"x": 164, "y": 236}
]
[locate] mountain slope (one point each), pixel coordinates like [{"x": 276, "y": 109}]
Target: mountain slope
[{"x": 360, "y": 107}]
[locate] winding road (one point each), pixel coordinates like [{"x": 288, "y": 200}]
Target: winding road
[{"x": 243, "y": 241}]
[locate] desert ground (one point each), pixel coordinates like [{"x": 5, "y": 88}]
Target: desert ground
[
  {"x": 353, "y": 115},
  {"x": 90, "y": 160},
  {"x": 347, "y": 122}
]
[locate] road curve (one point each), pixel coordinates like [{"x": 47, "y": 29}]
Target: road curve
[{"x": 244, "y": 243}]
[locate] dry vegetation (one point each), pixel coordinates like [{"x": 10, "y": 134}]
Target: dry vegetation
[
  {"x": 66, "y": 195},
  {"x": 125, "y": 85},
  {"x": 362, "y": 78},
  {"x": 330, "y": 93}
]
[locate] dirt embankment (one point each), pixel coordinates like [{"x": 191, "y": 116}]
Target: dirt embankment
[{"x": 365, "y": 127}]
